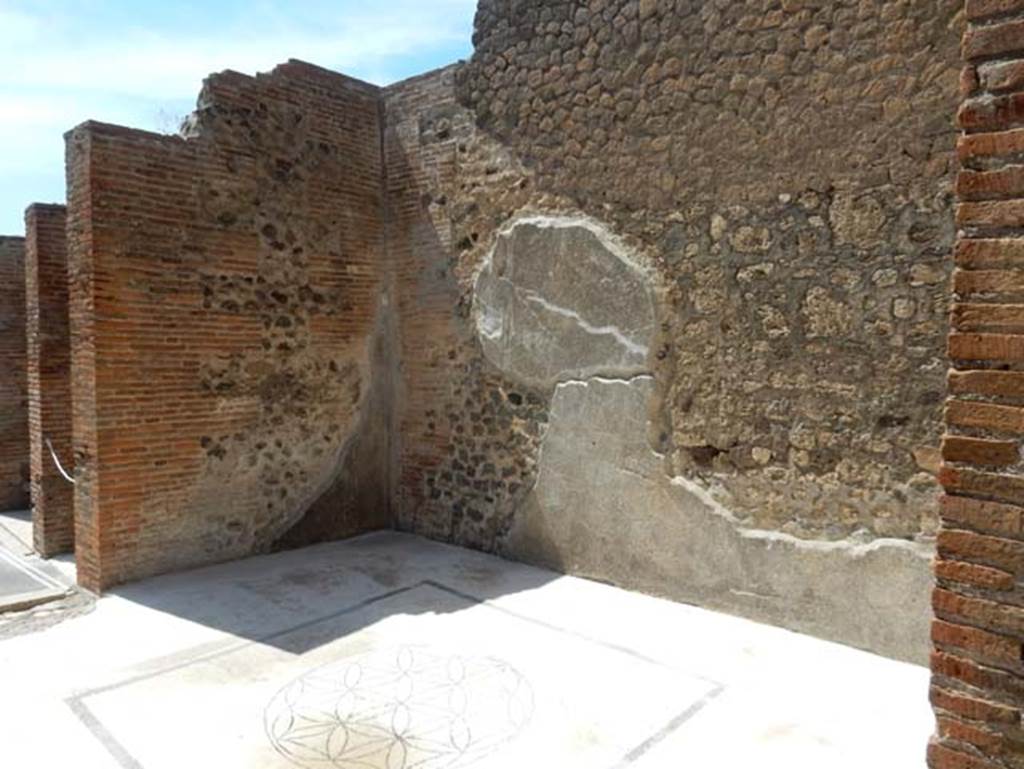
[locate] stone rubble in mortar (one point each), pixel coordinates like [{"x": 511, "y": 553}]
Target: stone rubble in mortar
[
  {"x": 496, "y": 428},
  {"x": 492, "y": 426},
  {"x": 306, "y": 401},
  {"x": 799, "y": 375},
  {"x": 805, "y": 279}
]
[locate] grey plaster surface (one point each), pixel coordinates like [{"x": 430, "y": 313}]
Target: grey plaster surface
[
  {"x": 604, "y": 507},
  {"x": 390, "y": 651}
]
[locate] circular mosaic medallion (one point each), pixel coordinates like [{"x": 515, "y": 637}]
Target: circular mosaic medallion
[{"x": 399, "y": 709}]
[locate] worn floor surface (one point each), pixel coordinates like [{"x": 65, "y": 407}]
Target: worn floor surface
[{"x": 391, "y": 652}]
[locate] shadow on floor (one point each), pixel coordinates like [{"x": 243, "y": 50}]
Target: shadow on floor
[{"x": 301, "y": 599}]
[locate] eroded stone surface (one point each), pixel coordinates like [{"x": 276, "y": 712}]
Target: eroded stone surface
[{"x": 558, "y": 299}]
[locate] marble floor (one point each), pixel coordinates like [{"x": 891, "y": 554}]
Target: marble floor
[{"x": 392, "y": 652}]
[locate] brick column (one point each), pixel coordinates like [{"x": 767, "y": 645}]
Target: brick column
[
  {"x": 978, "y": 673},
  {"x": 81, "y": 323},
  {"x": 49, "y": 377},
  {"x": 13, "y": 396}
]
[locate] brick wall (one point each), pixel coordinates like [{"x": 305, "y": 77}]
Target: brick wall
[
  {"x": 13, "y": 395},
  {"x": 227, "y": 344},
  {"x": 466, "y": 436},
  {"x": 977, "y": 664},
  {"x": 421, "y": 163},
  {"x": 49, "y": 377}
]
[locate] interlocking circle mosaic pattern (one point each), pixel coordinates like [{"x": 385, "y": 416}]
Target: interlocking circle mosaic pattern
[{"x": 407, "y": 708}]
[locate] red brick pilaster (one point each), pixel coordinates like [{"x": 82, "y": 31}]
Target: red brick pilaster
[
  {"x": 49, "y": 377},
  {"x": 978, "y": 631},
  {"x": 13, "y": 396}
]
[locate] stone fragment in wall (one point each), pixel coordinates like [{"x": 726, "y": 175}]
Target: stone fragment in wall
[
  {"x": 857, "y": 220},
  {"x": 824, "y": 315}
]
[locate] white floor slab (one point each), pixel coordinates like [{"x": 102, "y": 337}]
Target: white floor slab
[
  {"x": 26, "y": 580},
  {"x": 390, "y": 652},
  {"x": 16, "y": 530}
]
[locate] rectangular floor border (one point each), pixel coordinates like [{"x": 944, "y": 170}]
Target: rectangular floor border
[{"x": 127, "y": 761}]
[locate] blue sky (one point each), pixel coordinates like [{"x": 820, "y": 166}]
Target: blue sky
[{"x": 141, "y": 64}]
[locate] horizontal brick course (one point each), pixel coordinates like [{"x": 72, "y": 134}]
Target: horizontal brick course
[
  {"x": 972, "y": 574},
  {"x": 973, "y": 708},
  {"x": 1000, "y": 553},
  {"x": 986, "y": 647},
  {"x": 988, "y": 281},
  {"x": 987, "y": 185},
  {"x": 1001, "y": 419},
  {"x": 992, "y": 113},
  {"x": 1004, "y": 347},
  {"x": 1008, "y": 384},
  {"x": 990, "y": 40},
  {"x": 981, "y": 146},
  {"x": 986, "y": 517},
  {"x": 988, "y": 317},
  {"x": 989, "y": 615},
  {"x": 951, "y": 728},
  {"x": 981, "y": 254},
  {"x": 995, "y": 214},
  {"x": 1005, "y": 488},
  {"x": 1004, "y": 686},
  {"x": 1001, "y": 76},
  {"x": 980, "y": 451},
  {"x": 942, "y": 757},
  {"x": 980, "y": 10}
]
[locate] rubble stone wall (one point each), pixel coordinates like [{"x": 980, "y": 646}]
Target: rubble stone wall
[
  {"x": 651, "y": 292},
  {"x": 781, "y": 175}
]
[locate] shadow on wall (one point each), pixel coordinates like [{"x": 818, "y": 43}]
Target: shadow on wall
[{"x": 265, "y": 598}]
